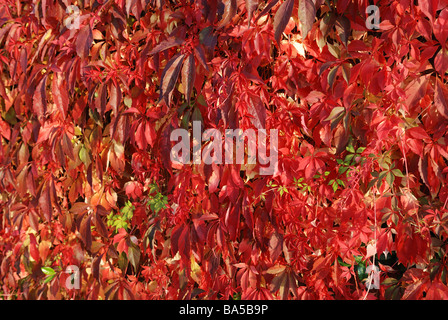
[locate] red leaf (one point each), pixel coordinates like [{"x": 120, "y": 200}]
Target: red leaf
[
  {"x": 45, "y": 202},
  {"x": 5, "y": 129},
  {"x": 140, "y": 138},
  {"x": 33, "y": 248},
  {"x": 281, "y": 18},
  {"x": 341, "y": 136},
  {"x": 84, "y": 41},
  {"x": 169, "y": 77},
  {"x": 130, "y": 6},
  {"x": 441, "y": 98},
  {"x": 175, "y": 234},
  {"x": 115, "y": 97},
  {"x": 251, "y": 6},
  {"x": 423, "y": 169},
  {"x": 232, "y": 219},
  {"x": 166, "y": 44},
  {"x": 100, "y": 102},
  {"x": 67, "y": 146},
  {"x": 416, "y": 146},
  {"x": 429, "y": 8},
  {"x": 310, "y": 170},
  {"x": 342, "y": 26},
  {"x": 60, "y": 94},
  {"x": 85, "y": 231},
  {"x": 214, "y": 178},
  {"x": 412, "y": 246},
  {"x": 184, "y": 243},
  {"x": 79, "y": 207},
  {"x": 441, "y": 27},
  {"x": 441, "y": 61},
  {"x": 266, "y": 9},
  {"x": 415, "y": 91},
  {"x": 40, "y": 99},
  {"x": 230, "y": 7},
  {"x": 307, "y": 14},
  {"x": 200, "y": 55},
  {"x": 23, "y": 59},
  {"x": 100, "y": 226},
  {"x": 150, "y": 134},
  {"x": 275, "y": 245},
  {"x": 257, "y": 109},
  {"x": 188, "y": 76},
  {"x": 418, "y": 133},
  {"x": 413, "y": 291},
  {"x": 120, "y": 235},
  {"x": 437, "y": 291},
  {"x": 123, "y": 246}
]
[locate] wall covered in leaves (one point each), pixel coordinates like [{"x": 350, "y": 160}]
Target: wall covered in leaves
[{"x": 90, "y": 92}]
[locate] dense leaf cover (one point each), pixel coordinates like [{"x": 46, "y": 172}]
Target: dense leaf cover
[{"x": 85, "y": 171}]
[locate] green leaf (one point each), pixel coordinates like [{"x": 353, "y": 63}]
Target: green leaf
[
  {"x": 134, "y": 256},
  {"x": 10, "y": 116},
  {"x": 350, "y": 148},
  {"x": 379, "y": 183},
  {"x": 361, "y": 270},
  {"x": 360, "y": 149},
  {"x": 384, "y": 165},
  {"x": 48, "y": 271},
  {"x": 348, "y": 159},
  {"x": 389, "y": 281},
  {"x": 182, "y": 108},
  {"x": 358, "y": 259},
  {"x": 371, "y": 183},
  {"x": 382, "y": 175},
  {"x": 49, "y": 278},
  {"x": 334, "y": 185},
  {"x": 398, "y": 173},
  {"x": 122, "y": 261},
  {"x": 185, "y": 120},
  {"x": 196, "y": 116},
  {"x": 84, "y": 155},
  {"x": 342, "y": 263},
  {"x": 390, "y": 178}
]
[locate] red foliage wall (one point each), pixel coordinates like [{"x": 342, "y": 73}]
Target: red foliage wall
[{"x": 85, "y": 171}]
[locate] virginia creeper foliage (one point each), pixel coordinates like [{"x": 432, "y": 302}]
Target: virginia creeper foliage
[{"x": 85, "y": 171}]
